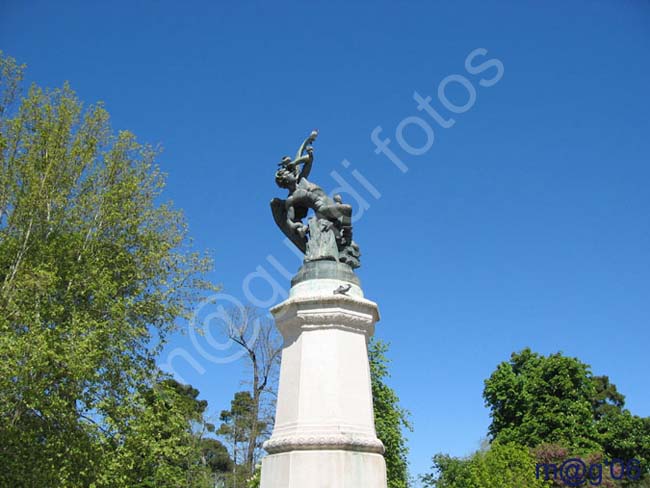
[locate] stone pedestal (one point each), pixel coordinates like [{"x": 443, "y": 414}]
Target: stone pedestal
[{"x": 324, "y": 435}]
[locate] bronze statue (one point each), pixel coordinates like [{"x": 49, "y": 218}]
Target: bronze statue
[{"x": 327, "y": 235}]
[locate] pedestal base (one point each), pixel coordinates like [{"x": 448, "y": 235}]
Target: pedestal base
[
  {"x": 324, "y": 469},
  {"x": 324, "y": 433}
]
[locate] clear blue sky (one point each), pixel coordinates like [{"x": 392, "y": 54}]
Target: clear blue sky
[{"x": 526, "y": 223}]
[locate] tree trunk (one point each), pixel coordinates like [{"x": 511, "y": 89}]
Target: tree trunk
[{"x": 252, "y": 441}]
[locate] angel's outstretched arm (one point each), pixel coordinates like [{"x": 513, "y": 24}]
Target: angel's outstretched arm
[
  {"x": 306, "y": 159},
  {"x": 303, "y": 147}
]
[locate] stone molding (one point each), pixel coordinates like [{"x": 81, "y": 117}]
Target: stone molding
[
  {"x": 323, "y": 442},
  {"x": 327, "y": 312}
]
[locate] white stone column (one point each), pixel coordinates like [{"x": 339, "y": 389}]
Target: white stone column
[{"x": 324, "y": 435}]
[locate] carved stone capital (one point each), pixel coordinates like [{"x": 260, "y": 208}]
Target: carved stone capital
[{"x": 342, "y": 312}]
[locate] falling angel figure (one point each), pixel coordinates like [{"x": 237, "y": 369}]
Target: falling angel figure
[{"x": 327, "y": 235}]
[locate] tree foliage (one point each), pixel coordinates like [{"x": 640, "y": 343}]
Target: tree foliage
[
  {"x": 598, "y": 472},
  {"x": 240, "y": 426},
  {"x": 94, "y": 272},
  {"x": 160, "y": 446},
  {"x": 555, "y": 399},
  {"x": 535, "y": 399},
  {"x": 215, "y": 456},
  {"x": 390, "y": 418},
  {"x": 551, "y": 408},
  {"x": 606, "y": 399},
  {"x": 256, "y": 334},
  {"x": 507, "y": 465}
]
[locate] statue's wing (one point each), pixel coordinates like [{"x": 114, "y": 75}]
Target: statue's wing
[{"x": 279, "y": 210}]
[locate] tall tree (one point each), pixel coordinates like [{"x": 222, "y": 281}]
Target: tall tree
[
  {"x": 549, "y": 409},
  {"x": 256, "y": 334},
  {"x": 535, "y": 399},
  {"x": 390, "y": 418},
  {"x": 621, "y": 434},
  {"x": 240, "y": 426},
  {"x": 555, "y": 399},
  {"x": 606, "y": 399},
  {"x": 94, "y": 273},
  {"x": 215, "y": 456},
  {"x": 162, "y": 443},
  {"x": 556, "y": 407}
]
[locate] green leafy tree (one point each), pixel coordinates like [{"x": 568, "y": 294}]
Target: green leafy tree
[
  {"x": 507, "y": 465},
  {"x": 535, "y": 399},
  {"x": 215, "y": 456},
  {"x": 256, "y": 479},
  {"x": 390, "y": 418},
  {"x": 94, "y": 273},
  {"x": 448, "y": 472},
  {"x": 550, "y": 457},
  {"x": 504, "y": 465},
  {"x": 626, "y": 436},
  {"x": 239, "y": 426},
  {"x": 551, "y": 408},
  {"x": 622, "y": 435},
  {"x": 263, "y": 360},
  {"x": 606, "y": 399},
  {"x": 162, "y": 444}
]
